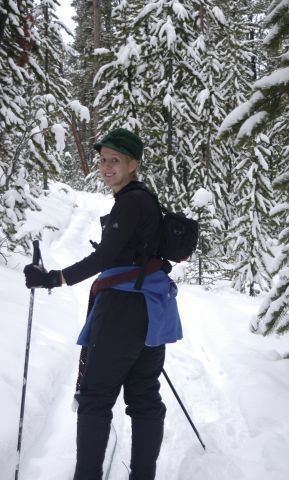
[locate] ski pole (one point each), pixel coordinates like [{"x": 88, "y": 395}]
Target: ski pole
[
  {"x": 183, "y": 408},
  {"x": 35, "y": 261}
]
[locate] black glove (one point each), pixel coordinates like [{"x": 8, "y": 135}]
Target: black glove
[{"x": 36, "y": 276}]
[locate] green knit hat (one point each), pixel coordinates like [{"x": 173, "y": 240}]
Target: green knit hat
[{"x": 123, "y": 141}]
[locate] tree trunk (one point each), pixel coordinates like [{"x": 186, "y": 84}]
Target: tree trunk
[
  {"x": 3, "y": 19},
  {"x": 170, "y": 125},
  {"x": 80, "y": 149},
  {"x": 96, "y": 44},
  {"x": 200, "y": 259},
  {"x": 254, "y": 57},
  {"x": 47, "y": 88},
  {"x": 45, "y": 181},
  {"x": 107, "y": 10}
]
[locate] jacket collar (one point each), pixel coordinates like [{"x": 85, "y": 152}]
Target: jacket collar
[{"x": 134, "y": 185}]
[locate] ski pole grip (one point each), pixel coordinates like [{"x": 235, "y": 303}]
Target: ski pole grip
[{"x": 36, "y": 252}]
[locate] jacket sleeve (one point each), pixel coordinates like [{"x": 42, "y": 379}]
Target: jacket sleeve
[{"x": 123, "y": 221}]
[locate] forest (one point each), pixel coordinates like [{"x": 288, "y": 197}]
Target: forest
[{"x": 205, "y": 84}]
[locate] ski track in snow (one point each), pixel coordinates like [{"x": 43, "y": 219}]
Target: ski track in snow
[
  {"x": 218, "y": 420},
  {"x": 57, "y": 445},
  {"x": 207, "y": 368},
  {"x": 217, "y": 407}
]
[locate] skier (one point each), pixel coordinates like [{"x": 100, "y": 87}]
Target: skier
[{"x": 132, "y": 315}]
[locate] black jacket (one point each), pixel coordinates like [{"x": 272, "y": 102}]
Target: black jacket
[{"x": 130, "y": 235}]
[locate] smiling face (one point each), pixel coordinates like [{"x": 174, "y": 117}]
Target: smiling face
[{"x": 116, "y": 169}]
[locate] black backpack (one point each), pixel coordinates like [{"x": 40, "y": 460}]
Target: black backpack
[{"x": 179, "y": 235}]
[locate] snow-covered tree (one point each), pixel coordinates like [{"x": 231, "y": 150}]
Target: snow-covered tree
[
  {"x": 206, "y": 265},
  {"x": 147, "y": 85},
  {"x": 49, "y": 96},
  {"x": 237, "y": 66},
  {"x": 249, "y": 234},
  {"x": 175, "y": 70},
  {"x": 36, "y": 110},
  {"x": 81, "y": 70},
  {"x": 119, "y": 79},
  {"x": 18, "y": 40},
  {"x": 268, "y": 105},
  {"x": 172, "y": 80},
  {"x": 96, "y": 30}
]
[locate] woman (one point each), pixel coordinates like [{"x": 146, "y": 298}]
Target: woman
[{"x": 132, "y": 315}]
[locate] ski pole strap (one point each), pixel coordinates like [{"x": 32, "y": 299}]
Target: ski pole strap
[{"x": 36, "y": 253}]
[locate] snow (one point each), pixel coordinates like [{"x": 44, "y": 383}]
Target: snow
[
  {"x": 42, "y": 117},
  {"x": 168, "y": 30},
  {"x": 37, "y": 137},
  {"x": 276, "y": 8},
  {"x": 240, "y": 113},
  {"x": 13, "y": 7},
  {"x": 264, "y": 138},
  {"x": 284, "y": 57},
  {"x": 100, "y": 51},
  {"x": 65, "y": 11},
  {"x": 251, "y": 123},
  {"x": 36, "y": 67},
  {"x": 279, "y": 77},
  {"x": 201, "y": 99},
  {"x": 127, "y": 52},
  {"x": 180, "y": 11},
  {"x": 233, "y": 383},
  {"x": 281, "y": 207},
  {"x": 146, "y": 11},
  {"x": 271, "y": 35},
  {"x": 59, "y": 133},
  {"x": 202, "y": 197},
  {"x": 80, "y": 111},
  {"x": 50, "y": 99},
  {"x": 219, "y": 15}
]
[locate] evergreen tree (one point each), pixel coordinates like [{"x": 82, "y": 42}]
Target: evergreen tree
[
  {"x": 146, "y": 81},
  {"x": 236, "y": 68},
  {"x": 174, "y": 71},
  {"x": 18, "y": 39},
  {"x": 119, "y": 80},
  {"x": 49, "y": 96},
  {"x": 171, "y": 83},
  {"x": 81, "y": 71},
  {"x": 206, "y": 266},
  {"x": 269, "y": 105},
  {"x": 36, "y": 110},
  {"x": 94, "y": 30},
  {"x": 251, "y": 229}
]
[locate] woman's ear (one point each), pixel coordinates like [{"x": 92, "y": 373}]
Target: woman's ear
[{"x": 133, "y": 165}]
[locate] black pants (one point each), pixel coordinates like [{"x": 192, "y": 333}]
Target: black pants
[{"x": 118, "y": 357}]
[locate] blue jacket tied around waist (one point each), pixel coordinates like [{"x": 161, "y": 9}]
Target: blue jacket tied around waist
[{"x": 159, "y": 290}]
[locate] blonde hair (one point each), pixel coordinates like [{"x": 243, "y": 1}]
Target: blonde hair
[{"x": 133, "y": 175}]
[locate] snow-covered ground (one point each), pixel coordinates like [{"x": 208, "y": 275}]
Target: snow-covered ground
[{"x": 234, "y": 384}]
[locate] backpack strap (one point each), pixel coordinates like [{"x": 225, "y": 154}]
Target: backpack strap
[
  {"x": 142, "y": 267},
  {"x": 145, "y": 254},
  {"x": 141, "y": 276}
]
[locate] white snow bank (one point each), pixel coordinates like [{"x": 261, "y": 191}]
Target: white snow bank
[
  {"x": 56, "y": 323},
  {"x": 51, "y": 353}
]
